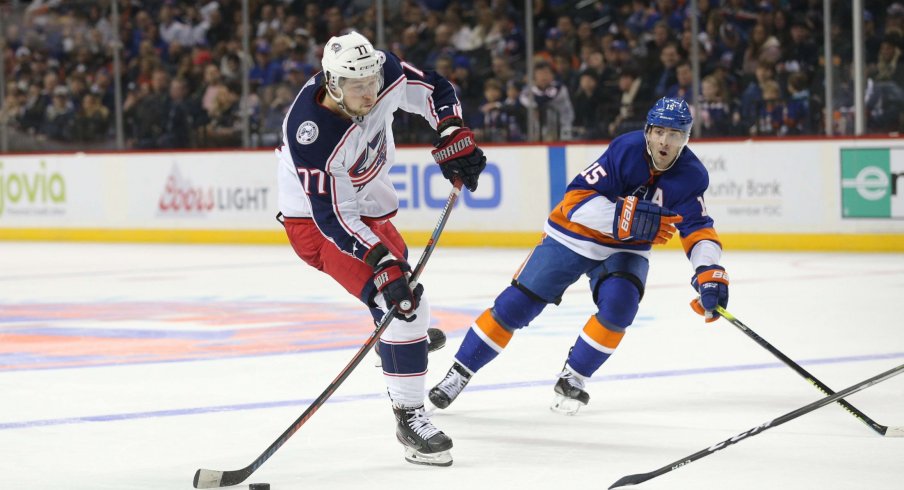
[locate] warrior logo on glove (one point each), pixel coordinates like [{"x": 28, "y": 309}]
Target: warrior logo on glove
[{"x": 459, "y": 157}]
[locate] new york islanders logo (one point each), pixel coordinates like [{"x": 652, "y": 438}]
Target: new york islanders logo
[
  {"x": 370, "y": 161},
  {"x": 307, "y": 133}
]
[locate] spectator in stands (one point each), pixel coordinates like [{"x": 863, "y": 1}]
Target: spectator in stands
[
  {"x": 752, "y": 98},
  {"x": 890, "y": 66},
  {"x": 58, "y": 116},
  {"x": 715, "y": 112},
  {"x": 274, "y": 114},
  {"x": 32, "y": 113},
  {"x": 554, "y": 112},
  {"x": 297, "y": 74},
  {"x": 145, "y": 112},
  {"x": 762, "y": 47},
  {"x": 442, "y": 46},
  {"x": 493, "y": 122},
  {"x": 502, "y": 69},
  {"x": 411, "y": 48},
  {"x": 266, "y": 70},
  {"x": 770, "y": 116},
  {"x": 885, "y": 90},
  {"x": 802, "y": 53},
  {"x": 666, "y": 77},
  {"x": 225, "y": 127},
  {"x": 92, "y": 121},
  {"x": 589, "y": 108},
  {"x": 180, "y": 113},
  {"x": 684, "y": 78},
  {"x": 631, "y": 105},
  {"x": 661, "y": 37},
  {"x": 798, "y": 119}
]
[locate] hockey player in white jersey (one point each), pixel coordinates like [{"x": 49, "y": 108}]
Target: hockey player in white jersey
[{"x": 336, "y": 201}]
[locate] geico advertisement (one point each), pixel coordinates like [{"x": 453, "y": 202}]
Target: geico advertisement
[
  {"x": 50, "y": 190},
  {"x": 202, "y": 190},
  {"x": 512, "y": 194}
]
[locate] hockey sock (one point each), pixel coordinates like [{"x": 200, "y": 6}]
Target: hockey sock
[
  {"x": 404, "y": 370},
  {"x": 594, "y": 345},
  {"x": 484, "y": 341}
]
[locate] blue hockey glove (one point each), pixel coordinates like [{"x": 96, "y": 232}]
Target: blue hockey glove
[
  {"x": 711, "y": 282},
  {"x": 643, "y": 221}
]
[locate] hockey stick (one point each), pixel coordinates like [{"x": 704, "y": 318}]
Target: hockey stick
[
  {"x": 882, "y": 430},
  {"x": 642, "y": 477},
  {"x": 212, "y": 478}
]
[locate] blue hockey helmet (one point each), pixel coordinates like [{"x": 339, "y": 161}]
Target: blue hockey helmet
[
  {"x": 674, "y": 118},
  {"x": 671, "y": 113}
]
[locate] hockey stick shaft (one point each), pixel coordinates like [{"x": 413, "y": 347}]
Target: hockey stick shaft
[
  {"x": 872, "y": 424},
  {"x": 642, "y": 477},
  {"x": 213, "y": 478}
]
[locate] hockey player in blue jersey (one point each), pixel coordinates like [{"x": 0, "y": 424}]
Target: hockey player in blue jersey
[
  {"x": 645, "y": 186},
  {"x": 336, "y": 201}
]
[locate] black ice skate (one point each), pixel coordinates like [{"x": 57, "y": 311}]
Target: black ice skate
[
  {"x": 436, "y": 340},
  {"x": 445, "y": 392},
  {"x": 570, "y": 394},
  {"x": 424, "y": 443}
]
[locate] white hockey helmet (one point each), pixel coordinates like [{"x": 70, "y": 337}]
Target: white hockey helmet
[{"x": 348, "y": 57}]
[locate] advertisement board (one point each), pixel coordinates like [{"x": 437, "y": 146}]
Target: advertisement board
[{"x": 788, "y": 191}]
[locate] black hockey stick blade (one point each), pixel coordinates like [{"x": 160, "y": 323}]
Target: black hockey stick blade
[
  {"x": 642, "y": 477},
  {"x": 215, "y": 479},
  {"x": 880, "y": 429}
]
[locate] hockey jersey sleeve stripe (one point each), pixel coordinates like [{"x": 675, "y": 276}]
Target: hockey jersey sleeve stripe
[
  {"x": 440, "y": 94},
  {"x": 689, "y": 241}
]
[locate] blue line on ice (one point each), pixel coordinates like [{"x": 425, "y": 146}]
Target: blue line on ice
[{"x": 370, "y": 396}]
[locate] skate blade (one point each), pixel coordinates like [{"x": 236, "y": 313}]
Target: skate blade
[
  {"x": 442, "y": 458},
  {"x": 565, "y": 405}
]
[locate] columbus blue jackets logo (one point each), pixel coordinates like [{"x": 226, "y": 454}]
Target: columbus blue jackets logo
[
  {"x": 371, "y": 160},
  {"x": 307, "y": 132}
]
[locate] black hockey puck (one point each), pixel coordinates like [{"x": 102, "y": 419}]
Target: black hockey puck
[{"x": 259, "y": 486}]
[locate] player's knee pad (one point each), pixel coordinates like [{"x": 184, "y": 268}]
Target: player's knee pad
[
  {"x": 618, "y": 288},
  {"x": 617, "y": 300},
  {"x": 516, "y": 307}
]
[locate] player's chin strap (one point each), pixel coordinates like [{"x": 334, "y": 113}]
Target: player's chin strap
[
  {"x": 340, "y": 101},
  {"x": 653, "y": 159}
]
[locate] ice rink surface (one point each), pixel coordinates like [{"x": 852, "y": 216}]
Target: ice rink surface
[{"x": 131, "y": 366}]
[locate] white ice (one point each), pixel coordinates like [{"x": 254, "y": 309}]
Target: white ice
[{"x": 675, "y": 386}]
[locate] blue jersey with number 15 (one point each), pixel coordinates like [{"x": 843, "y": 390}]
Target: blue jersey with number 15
[{"x": 624, "y": 170}]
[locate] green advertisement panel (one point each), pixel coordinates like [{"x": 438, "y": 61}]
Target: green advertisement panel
[{"x": 869, "y": 182}]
